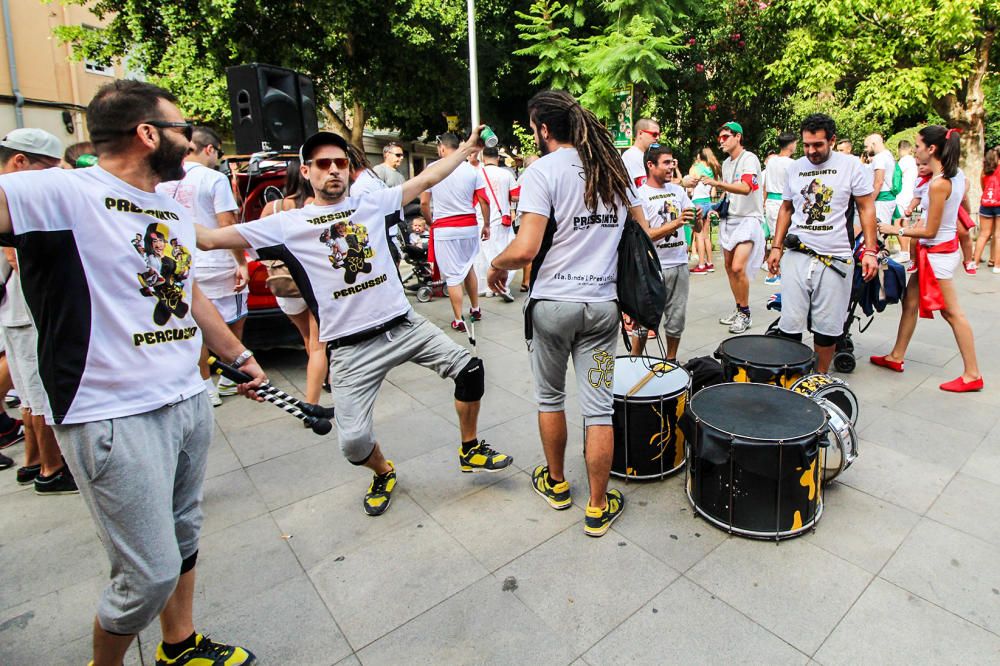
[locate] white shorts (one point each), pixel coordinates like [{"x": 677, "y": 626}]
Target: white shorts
[
  {"x": 22, "y": 360},
  {"x": 771, "y": 209},
  {"x": 813, "y": 295},
  {"x": 500, "y": 238},
  {"x": 291, "y": 306},
  {"x": 232, "y": 308},
  {"x": 455, "y": 258},
  {"x": 738, "y": 230},
  {"x": 884, "y": 211},
  {"x": 944, "y": 264}
]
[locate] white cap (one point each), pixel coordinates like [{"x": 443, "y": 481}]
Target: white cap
[{"x": 34, "y": 141}]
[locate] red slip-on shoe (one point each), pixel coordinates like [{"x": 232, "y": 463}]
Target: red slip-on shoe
[
  {"x": 886, "y": 363},
  {"x": 959, "y": 385}
]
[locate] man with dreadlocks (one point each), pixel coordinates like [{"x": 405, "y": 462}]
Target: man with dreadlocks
[{"x": 573, "y": 205}]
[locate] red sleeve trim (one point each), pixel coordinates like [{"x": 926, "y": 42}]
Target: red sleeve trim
[{"x": 751, "y": 180}]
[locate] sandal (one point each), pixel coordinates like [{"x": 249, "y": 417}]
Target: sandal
[
  {"x": 990, "y": 264},
  {"x": 524, "y": 288}
]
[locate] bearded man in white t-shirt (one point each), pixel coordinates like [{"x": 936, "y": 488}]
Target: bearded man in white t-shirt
[
  {"x": 222, "y": 275},
  {"x": 647, "y": 132}
]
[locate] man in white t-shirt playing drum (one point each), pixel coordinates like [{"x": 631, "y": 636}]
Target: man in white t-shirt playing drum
[
  {"x": 817, "y": 270},
  {"x": 572, "y": 210},
  {"x": 740, "y": 234},
  {"x": 775, "y": 176},
  {"x": 222, "y": 276},
  {"x": 647, "y": 132},
  {"x": 455, "y": 232},
  {"x": 500, "y": 183},
  {"x": 337, "y": 252}
]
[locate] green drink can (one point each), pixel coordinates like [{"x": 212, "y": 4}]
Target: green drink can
[{"x": 488, "y": 136}]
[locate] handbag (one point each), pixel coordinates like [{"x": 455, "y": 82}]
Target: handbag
[
  {"x": 641, "y": 292},
  {"x": 722, "y": 207},
  {"x": 279, "y": 279}
]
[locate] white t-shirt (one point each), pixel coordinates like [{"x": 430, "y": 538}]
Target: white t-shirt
[
  {"x": 115, "y": 332},
  {"x": 634, "y": 165},
  {"x": 884, "y": 161},
  {"x": 776, "y": 173},
  {"x": 663, "y": 206},
  {"x": 456, "y": 195},
  {"x": 13, "y": 309},
  {"x": 581, "y": 264},
  {"x": 745, "y": 168},
  {"x": 368, "y": 181},
  {"x": 499, "y": 184},
  {"x": 820, "y": 194},
  {"x": 908, "y": 165},
  {"x": 339, "y": 258},
  {"x": 206, "y": 193},
  {"x": 949, "y": 216}
]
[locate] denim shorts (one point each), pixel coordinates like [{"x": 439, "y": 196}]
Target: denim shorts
[{"x": 989, "y": 211}]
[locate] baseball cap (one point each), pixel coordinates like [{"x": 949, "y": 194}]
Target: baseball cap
[
  {"x": 320, "y": 139},
  {"x": 734, "y": 126},
  {"x": 35, "y": 141}
]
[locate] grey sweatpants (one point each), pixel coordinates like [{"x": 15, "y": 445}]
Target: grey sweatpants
[
  {"x": 141, "y": 477},
  {"x": 589, "y": 333}
]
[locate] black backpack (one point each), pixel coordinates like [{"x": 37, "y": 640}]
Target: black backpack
[{"x": 641, "y": 293}]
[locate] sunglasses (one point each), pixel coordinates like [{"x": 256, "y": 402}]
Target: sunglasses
[
  {"x": 219, "y": 151},
  {"x": 726, "y": 137},
  {"x": 324, "y": 163},
  {"x": 187, "y": 129},
  {"x": 655, "y": 135},
  {"x": 399, "y": 155}
]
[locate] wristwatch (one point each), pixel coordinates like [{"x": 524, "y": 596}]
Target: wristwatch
[{"x": 242, "y": 358}]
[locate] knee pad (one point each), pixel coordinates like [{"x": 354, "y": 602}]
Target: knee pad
[
  {"x": 470, "y": 384},
  {"x": 188, "y": 562},
  {"x": 788, "y": 336},
  {"x": 826, "y": 340}
]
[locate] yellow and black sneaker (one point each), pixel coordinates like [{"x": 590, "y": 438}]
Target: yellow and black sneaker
[
  {"x": 380, "y": 492},
  {"x": 598, "y": 521},
  {"x": 481, "y": 458},
  {"x": 207, "y": 652},
  {"x": 558, "y": 495}
]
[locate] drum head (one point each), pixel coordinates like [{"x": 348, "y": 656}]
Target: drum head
[
  {"x": 766, "y": 350},
  {"x": 843, "y": 441},
  {"x": 670, "y": 379},
  {"x": 758, "y": 411}
]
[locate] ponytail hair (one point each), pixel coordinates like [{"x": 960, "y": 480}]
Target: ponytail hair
[
  {"x": 947, "y": 144},
  {"x": 568, "y": 122},
  {"x": 991, "y": 161}
]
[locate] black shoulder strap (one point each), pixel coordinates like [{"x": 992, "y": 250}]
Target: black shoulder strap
[{"x": 536, "y": 264}]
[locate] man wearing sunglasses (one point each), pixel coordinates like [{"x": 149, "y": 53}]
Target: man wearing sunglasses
[
  {"x": 647, "y": 132},
  {"x": 388, "y": 171},
  {"x": 126, "y": 403},
  {"x": 222, "y": 276},
  {"x": 740, "y": 234},
  {"x": 337, "y": 252}
]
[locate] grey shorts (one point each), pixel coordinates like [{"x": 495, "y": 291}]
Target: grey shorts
[
  {"x": 358, "y": 370},
  {"x": 676, "y": 280},
  {"x": 22, "y": 360},
  {"x": 141, "y": 478},
  {"x": 589, "y": 333},
  {"x": 808, "y": 286}
]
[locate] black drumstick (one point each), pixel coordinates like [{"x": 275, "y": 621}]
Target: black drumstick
[{"x": 315, "y": 417}]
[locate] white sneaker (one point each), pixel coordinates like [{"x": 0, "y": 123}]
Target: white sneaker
[
  {"x": 741, "y": 323},
  {"x": 507, "y": 296},
  {"x": 213, "y": 397},
  {"x": 773, "y": 281},
  {"x": 227, "y": 387},
  {"x": 12, "y": 398},
  {"x": 729, "y": 319},
  {"x": 996, "y": 269},
  {"x": 901, "y": 257}
]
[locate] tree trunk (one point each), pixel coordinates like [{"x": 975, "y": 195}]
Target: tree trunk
[{"x": 355, "y": 132}]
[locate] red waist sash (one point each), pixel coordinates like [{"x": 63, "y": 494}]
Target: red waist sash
[{"x": 930, "y": 291}]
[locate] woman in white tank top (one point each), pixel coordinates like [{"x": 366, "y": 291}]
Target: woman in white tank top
[{"x": 938, "y": 255}]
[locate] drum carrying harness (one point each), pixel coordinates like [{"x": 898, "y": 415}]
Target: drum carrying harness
[{"x": 793, "y": 243}]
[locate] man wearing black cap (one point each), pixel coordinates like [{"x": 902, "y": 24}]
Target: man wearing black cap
[{"x": 337, "y": 252}]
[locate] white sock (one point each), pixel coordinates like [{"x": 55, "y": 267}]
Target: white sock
[{"x": 209, "y": 384}]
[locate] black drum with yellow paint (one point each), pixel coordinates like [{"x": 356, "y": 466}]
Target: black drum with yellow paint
[
  {"x": 754, "y": 461},
  {"x": 649, "y": 443},
  {"x": 765, "y": 359}
]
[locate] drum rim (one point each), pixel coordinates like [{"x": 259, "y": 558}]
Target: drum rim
[
  {"x": 846, "y": 457},
  {"x": 767, "y": 536},
  {"x": 622, "y": 398},
  {"x": 719, "y": 350},
  {"x": 803, "y": 437}
]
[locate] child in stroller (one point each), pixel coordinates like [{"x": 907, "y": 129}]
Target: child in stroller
[{"x": 421, "y": 277}]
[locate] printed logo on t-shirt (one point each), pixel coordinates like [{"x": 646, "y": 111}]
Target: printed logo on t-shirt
[
  {"x": 669, "y": 211},
  {"x": 167, "y": 266},
  {"x": 349, "y": 248},
  {"x": 816, "y": 205}
]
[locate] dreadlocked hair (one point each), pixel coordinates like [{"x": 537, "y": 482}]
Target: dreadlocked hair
[{"x": 604, "y": 172}]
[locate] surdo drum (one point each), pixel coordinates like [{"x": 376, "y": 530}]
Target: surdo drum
[
  {"x": 764, "y": 359},
  {"x": 754, "y": 462},
  {"x": 650, "y": 397},
  {"x": 834, "y": 389}
]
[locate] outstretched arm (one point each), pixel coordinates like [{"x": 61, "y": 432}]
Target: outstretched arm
[
  {"x": 226, "y": 238},
  {"x": 440, "y": 170}
]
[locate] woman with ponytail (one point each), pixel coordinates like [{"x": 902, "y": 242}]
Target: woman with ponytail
[{"x": 937, "y": 258}]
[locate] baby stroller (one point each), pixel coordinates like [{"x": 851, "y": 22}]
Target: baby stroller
[
  {"x": 885, "y": 289},
  {"x": 421, "y": 276}
]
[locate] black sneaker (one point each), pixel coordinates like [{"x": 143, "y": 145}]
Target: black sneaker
[
  {"x": 28, "y": 474},
  {"x": 481, "y": 458},
  {"x": 379, "y": 493},
  {"x": 60, "y": 483},
  {"x": 5, "y": 462},
  {"x": 207, "y": 653},
  {"x": 12, "y": 436}
]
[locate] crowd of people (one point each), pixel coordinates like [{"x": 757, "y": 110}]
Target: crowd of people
[{"x": 151, "y": 274}]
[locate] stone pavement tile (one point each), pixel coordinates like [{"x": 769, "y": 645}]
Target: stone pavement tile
[
  {"x": 972, "y": 506},
  {"x": 270, "y": 439},
  {"x": 896, "y": 477},
  {"x": 47, "y": 622},
  {"x": 221, "y": 457},
  {"x": 859, "y": 528},
  {"x": 350, "y": 660},
  {"x": 25, "y": 515},
  {"x": 685, "y": 624},
  {"x": 952, "y": 410},
  {"x": 239, "y": 562},
  {"x": 483, "y": 624},
  {"x": 229, "y": 500},
  {"x": 435, "y": 479},
  {"x": 286, "y": 624},
  {"x": 659, "y": 519},
  {"x": 237, "y": 412},
  {"x": 888, "y": 625},
  {"x": 303, "y": 473},
  {"x": 504, "y": 521},
  {"x": 984, "y": 463},
  {"x": 584, "y": 587},
  {"x": 783, "y": 587},
  {"x": 67, "y": 554},
  {"x": 403, "y": 437},
  {"x": 79, "y": 651},
  {"x": 393, "y": 402},
  {"x": 951, "y": 569},
  {"x": 391, "y": 580},
  {"x": 333, "y": 522},
  {"x": 917, "y": 437}
]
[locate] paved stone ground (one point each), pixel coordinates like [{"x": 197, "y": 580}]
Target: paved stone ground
[{"x": 477, "y": 569}]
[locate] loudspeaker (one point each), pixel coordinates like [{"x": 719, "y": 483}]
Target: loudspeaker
[{"x": 273, "y": 108}]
